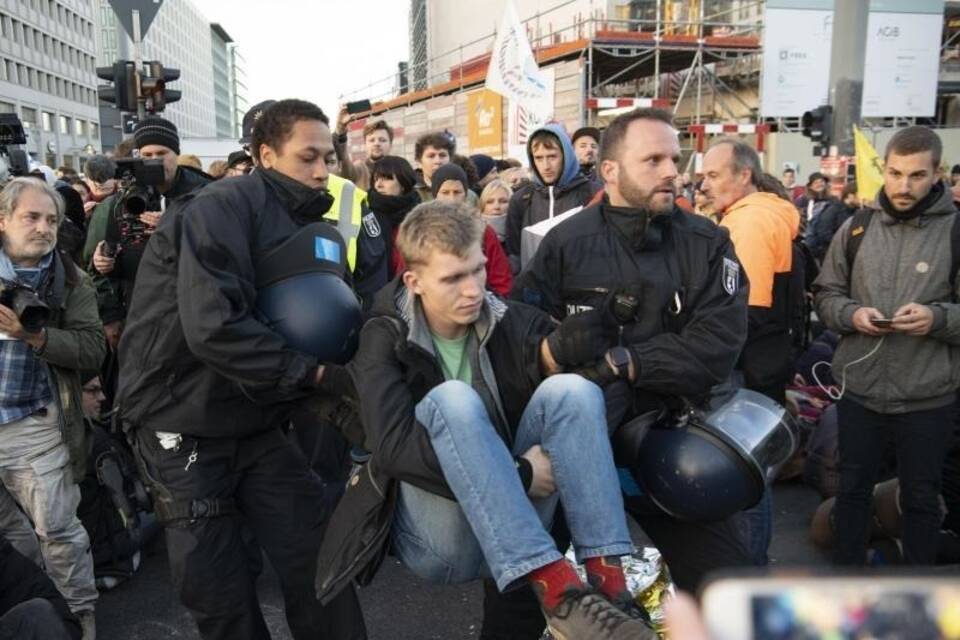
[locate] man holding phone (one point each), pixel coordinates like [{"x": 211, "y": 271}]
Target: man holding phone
[{"x": 888, "y": 286}]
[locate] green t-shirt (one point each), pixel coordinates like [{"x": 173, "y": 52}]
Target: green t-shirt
[{"x": 454, "y": 359}]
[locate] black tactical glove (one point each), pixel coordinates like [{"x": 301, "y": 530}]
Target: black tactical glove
[
  {"x": 337, "y": 382},
  {"x": 601, "y": 374},
  {"x": 580, "y": 339}
]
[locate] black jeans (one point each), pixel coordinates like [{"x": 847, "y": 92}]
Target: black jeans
[
  {"x": 921, "y": 439},
  {"x": 35, "y": 619},
  {"x": 280, "y": 500}
]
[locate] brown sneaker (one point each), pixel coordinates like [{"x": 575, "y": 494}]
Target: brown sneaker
[{"x": 585, "y": 615}]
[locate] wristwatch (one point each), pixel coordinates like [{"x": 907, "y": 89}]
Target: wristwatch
[{"x": 619, "y": 358}]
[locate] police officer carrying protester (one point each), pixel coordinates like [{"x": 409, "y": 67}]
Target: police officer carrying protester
[
  {"x": 212, "y": 366},
  {"x": 685, "y": 300}
]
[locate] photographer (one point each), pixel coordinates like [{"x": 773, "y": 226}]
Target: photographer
[
  {"x": 49, "y": 332},
  {"x": 118, "y": 256}
]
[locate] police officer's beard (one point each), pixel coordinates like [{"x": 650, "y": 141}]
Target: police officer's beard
[{"x": 633, "y": 221}]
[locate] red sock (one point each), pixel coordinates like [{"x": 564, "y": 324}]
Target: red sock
[
  {"x": 552, "y": 581},
  {"x": 605, "y": 574}
]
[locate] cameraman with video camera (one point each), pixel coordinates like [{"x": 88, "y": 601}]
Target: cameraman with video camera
[
  {"x": 49, "y": 333},
  {"x": 128, "y": 228}
]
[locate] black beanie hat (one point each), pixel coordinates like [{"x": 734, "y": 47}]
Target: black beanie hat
[
  {"x": 448, "y": 171},
  {"x": 484, "y": 164},
  {"x": 593, "y": 132},
  {"x": 157, "y": 130}
]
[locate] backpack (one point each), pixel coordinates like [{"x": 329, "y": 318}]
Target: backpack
[{"x": 858, "y": 229}]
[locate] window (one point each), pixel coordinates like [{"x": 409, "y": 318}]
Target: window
[
  {"x": 7, "y": 107},
  {"x": 28, "y": 116},
  {"x": 95, "y": 130},
  {"x": 79, "y": 127},
  {"x": 11, "y": 71},
  {"x": 32, "y": 78},
  {"x": 64, "y": 125},
  {"x": 16, "y": 31},
  {"x": 47, "y": 121}
]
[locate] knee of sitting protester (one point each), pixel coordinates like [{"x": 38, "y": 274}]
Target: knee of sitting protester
[
  {"x": 455, "y": 396},
  {"x": 570, "y": 387}
]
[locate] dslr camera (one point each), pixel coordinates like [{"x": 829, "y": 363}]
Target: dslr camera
[
  {"x": 139, "y": 180},
  {"x": 13, "y": 161},
  {"x": 32, "y": 312}
]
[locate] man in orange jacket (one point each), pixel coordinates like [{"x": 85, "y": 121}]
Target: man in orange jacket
[{"x": 762, "y": 227}]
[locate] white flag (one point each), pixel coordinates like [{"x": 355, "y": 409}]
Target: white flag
[{"x": 513, "y": 71}]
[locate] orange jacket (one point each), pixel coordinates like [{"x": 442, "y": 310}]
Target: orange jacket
[{"x": 762, "y": 227}]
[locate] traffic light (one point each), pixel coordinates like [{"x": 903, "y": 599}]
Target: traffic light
[
  {"x": 153, "y": 86},
  {"x": 123, "y": 92},
  {"x": 816, "y": 125}
]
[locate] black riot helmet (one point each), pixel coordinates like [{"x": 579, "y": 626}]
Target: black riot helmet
[
  {"x": 709, "y": 463},
  {"x": 302, "y": 294}
]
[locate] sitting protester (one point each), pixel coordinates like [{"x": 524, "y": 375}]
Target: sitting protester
[{"x": 478, "y": 440}]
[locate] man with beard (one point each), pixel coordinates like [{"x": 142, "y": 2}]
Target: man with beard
[
  {"x": 690, "y": 317},
  {"x": 207, "y": 386},
  {"x": 888, "y": 287}
]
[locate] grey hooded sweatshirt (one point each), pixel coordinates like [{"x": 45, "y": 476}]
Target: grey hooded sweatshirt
[{"x": 898, "y": 262}]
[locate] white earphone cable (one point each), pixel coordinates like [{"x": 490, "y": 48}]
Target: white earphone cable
[{"x": 831, "y": 391}]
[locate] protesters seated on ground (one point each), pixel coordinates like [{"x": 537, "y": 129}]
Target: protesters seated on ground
[{"x": 462, "y": 398}]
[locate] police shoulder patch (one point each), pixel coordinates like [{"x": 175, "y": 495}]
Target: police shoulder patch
[
  {"x": 731, "y": 275},
  {"x": 372, "y": 225}
]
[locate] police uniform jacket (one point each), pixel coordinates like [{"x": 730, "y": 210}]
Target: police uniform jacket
[
  {"x": 194, "y": 357},
  {"x": 692, "y": 320}
]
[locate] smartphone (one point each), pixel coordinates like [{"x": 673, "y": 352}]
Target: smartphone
[
  {"x": 358, "y": 106},
  {"x": 881, "y": 322},
  {"x": 872, "y": 605}
]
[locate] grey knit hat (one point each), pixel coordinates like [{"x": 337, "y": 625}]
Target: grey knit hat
[{"x": 157, "y": 130}]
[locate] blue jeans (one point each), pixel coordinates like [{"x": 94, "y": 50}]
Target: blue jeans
[
  {"x": 759, "y": 524},
  {"x": 494, "y": 528}
]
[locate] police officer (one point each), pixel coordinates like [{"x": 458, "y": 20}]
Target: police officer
[
  {"x": 680, "y": 314},
  {"x": 207, "y": 384},
  {"x": 349, "y": 213}
]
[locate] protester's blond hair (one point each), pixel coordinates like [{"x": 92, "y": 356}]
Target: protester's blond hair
[
  {"x": 492, "y": 187},
  {"x": 438, "y": 226}
]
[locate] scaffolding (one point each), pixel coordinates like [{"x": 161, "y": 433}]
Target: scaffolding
[{"x": 700, "y": 57}]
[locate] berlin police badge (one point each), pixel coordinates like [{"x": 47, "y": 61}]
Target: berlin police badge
[{"x": 731, "y": 275}]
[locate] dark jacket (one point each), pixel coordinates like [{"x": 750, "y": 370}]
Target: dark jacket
[
  {"x": 115, "y": 290},
  {"x": 394, "y": 369},
  {"x": 692, "y": 318},
  {"x": 824, "y": 226},
  {"x": 194, "y": 358},
  {"x": 536, "y": 202},
  {"x": 22, "y": 580},
  {"x": 75, "y": 343}
]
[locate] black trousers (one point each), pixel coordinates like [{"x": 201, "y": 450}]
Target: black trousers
[
  {"x": 279, "y": 499},
  {"x": 921, "y": 439},
  {"x": 690, "y": 549},
  {"x": 35, "y": 619}
]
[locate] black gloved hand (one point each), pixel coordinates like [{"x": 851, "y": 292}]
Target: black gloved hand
[
  {"x": 580, "y": 339},
  {"x": 601, "y": 374},
  {"x": 337, "y": 382}
]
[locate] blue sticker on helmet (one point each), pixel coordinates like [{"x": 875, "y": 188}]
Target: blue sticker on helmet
[{"x": 326, "y": 249}]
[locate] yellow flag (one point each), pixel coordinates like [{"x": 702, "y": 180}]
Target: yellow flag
[{"x": 869, "y": 167}]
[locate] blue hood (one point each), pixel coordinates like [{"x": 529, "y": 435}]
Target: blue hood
[{"x": 570, "y": 165}]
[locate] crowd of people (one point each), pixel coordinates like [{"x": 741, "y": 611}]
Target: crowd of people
[{"x": 459, "y": 361}]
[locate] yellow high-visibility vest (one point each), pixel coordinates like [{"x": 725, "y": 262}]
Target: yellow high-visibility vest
[{"x": 346, "y": 212}]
